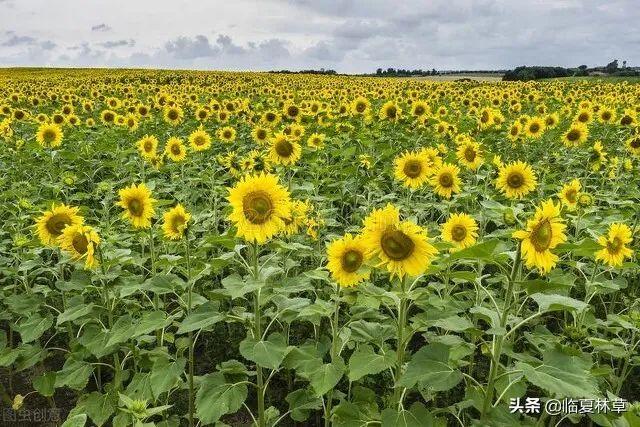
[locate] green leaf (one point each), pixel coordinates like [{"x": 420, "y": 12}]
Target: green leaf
[
  {"x": 76, "y": 421},
  {"x": 268, "y": 354},
  {"x": 482, "y": 251},
  {"x": 417, "y": 416},
  {"x": 74, "y": 313},
  {"x": 32, "y": 327},
  {"x": 562, "y": 375},
  {"x": 74, "y": 374},
  {"x": 236, "y": 287},
  {"x": 165, "y": 375},
  {"x": 558, "y": 303},
  {"x": 454, "y": 323},
  {"x": 201, "y": 318},
  {"x": 326, "y": 376},
  {"x": 161, "y": 284},
  {"x": 45, "y": 384},
  {"x": 99, "y": 407},
  {"x": 364, "y": 361},
  {"x": 301, "y": 403},
  {"x": 216, "y": 398},
  {"x": 430, "y": 366}
]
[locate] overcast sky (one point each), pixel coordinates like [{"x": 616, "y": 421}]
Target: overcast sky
[{"x": 345, "y": 35}]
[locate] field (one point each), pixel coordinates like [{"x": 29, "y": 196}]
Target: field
[
  {"x": 488, "y": 77},
  {"x": 216, "y": 248}
]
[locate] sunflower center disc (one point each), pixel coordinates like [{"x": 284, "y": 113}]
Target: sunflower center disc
[
  {"x": 614, "y": 246},
  {"x": 173, "y": 115},
  {"x": 396, "y": 245},
  {"x": 80, "y": 243},
  {"x": 541, "y": 236},
  {"x": 635, "y": 143},
  {"x": 135, "y": 207},
  {"x": 57, "y": 223},
  {"x": 515, "y": 180},
  {"x": 351, "y": 261},
  {"x": 534, "y": 128},
  {"x": 573, "y": 135},
  {"x": 446, "y": 180},
  {"x": 412, "y": 168},
  {"x": 458, "y": 233},
  {"x": 257, "y": 207},
  {"x": 572, "y": 195},
  {"x": 470, "y": 154},
  {"x": 49, "y": 135},
  {"x": 175, "y": 149},
  {"x": 284, "y": 148}
]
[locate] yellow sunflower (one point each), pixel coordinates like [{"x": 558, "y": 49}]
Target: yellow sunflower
[
  {"x": 614, "y": 245},
  {"x": 569, "y": 194},
  {"x": 412, "y": 169},
  {"x": 173, "y": 115},
  {"x": 400, "y": 247},
  {"x": 49, "y": 135},
  {"x": 52, "y": 223},
  {"x": 137, "y": 204},
  {"x": 200, "y": 140},
  {"x": 260, "y": 206},
  {"x": 175, "y": 222},
  {"x": 469, "y": 154},
  {"x": 543, "y": 233},
  {"x": 284, "y": 151},
  {"x": 260, "y": 135},
  {"x": 633, "y": 144},
  {"x": 445, "y": 180},
  {"x": 461, "y": 230},
  {"x": 227, "y": 134},
  {"x": 346, "y": 258},
  {"x": 316, "y": 141},
  {"x": 390, "y": 111},
  {"x": 147, "y": 146},
  {"x": 516, "y": 180},
  {"x": 534, "y": 127},
  {"x": 575, "y": 135},
  {"x": 80, "y": 242},
  {"x": 175, "y": 149}
]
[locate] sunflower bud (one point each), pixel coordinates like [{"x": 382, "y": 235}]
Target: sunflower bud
[
  {"x": 585, "y": 200},
  {"x": 509, "y": 217},
  {"x": 17, "y": 402}
]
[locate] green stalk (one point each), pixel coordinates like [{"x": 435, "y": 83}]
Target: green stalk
[
  {"x": 401, "y": 326},
  {"x": 191, "y": 342},
  {"x": 156, "y": 297},
  {"x": 117, "y": 377},
  {"x": 496, "y": 349},
  {"x": 258, "y": 335},
  {"x": 334, "y": 352}
]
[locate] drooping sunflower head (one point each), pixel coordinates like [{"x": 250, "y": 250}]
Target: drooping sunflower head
[
  {"x": 543, "y": 233},
  {"x": 516, "y": 180},
  {"x": 400, "y": 247},
  {"x": 175, "y": 149},
  {"x": 260, "y": 206},
  {"x": 445, "y": 180},
  {"x": 461, "y": 230},
  {"x": 412, "y": 169},
  {"x": 52, "y": 223},
  {"x": 283, "y": 150},
  {"x": 49, "y": 135},
  {"x": 614, "y": 245},
  {"x": 346, "y": 260},
  {"x": 175, "y": 222},
  {"x": 199, "y": 140},
  {"x": 569, "y": 194},
  {"x": 80, "y": 242},
  {"x": 137, "y": 204}
]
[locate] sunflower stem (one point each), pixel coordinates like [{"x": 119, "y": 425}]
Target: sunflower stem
[
  {"x": 496, "y": 348},
  {"x": 334, "y": 352},
  {"x": 191, "y": 341},
  {"x": 401, "y": 325},
  {"x": 260, "y": 389}
]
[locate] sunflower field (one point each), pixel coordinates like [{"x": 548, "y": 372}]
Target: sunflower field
[{"x": 182, "y": 248}]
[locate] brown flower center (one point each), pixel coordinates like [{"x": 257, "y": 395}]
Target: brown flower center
[
  {"x": 412, "y": 168},
  {"x": 445, "y": 180},
  {"x": 284, "y": 148},
  {"x": 396, "y": 245},
  {"x": 351, "y": 260},
  {"x": 135, "y": 207},
  {"x": 57, "y": 223},
  {"x": 458, "y": 233},
  {"x": 541, "y": 236},
  {"x": 614, "y": 246},
  {"x": 80, "y": 243},
  {"x": 257, "y": 207},
  {"x": 515, "y": 180}
]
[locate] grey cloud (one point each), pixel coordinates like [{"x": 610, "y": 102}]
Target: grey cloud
[
  {"x": 118, "y": 43},
  {"x": 101, "y": 28},
  {"x": 191, "y": 48},
  {"x": 47, "y": 45},
  {"x": 16, "y": 40}
]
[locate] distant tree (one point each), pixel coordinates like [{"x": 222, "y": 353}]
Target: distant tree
[
  {"x": 624, "y": 64},
  {"x": 612, "y": 66},
  {"x": 379, "y": 71}
]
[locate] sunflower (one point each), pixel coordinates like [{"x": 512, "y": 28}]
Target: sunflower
[
  {"x": 598, "y": 156},
  {"x": 147, "y": 146},
  {"x": 260, "y": 135},
  {"x": 80, "y": 242},
  {"x": 614, "y": 245},
  {"x": 412, "y": 169},
  {"x": 107, "y": 117},
  {"x": 419, "y": 109},
  {"x": 390, "y": 111},
  {"x": 291, "y": 110},
  {"x": 298, "y": 216},
  {"x": 260, "y": 206},
  {"x": 569, "y": 194},
  {"x": 52, "y": 223},
  {"x": 49, "y": 135},
  {"x": 200, "y": 140},
  {"x": 175, "y": 149},
  {"x": 633, "y": 144},
  {"x": 316, "y": 141},
  {"x": 227, "y": 134},
  {"x": 175, "y": 222},
  {"x": 584, "y": 116},
  {"x": 534, "y": 127},
  {"x": 461, "y": 230},
  {"x": 401, "y": 247},
  {"x": 516, "y": 180},
  {"x": 544, "y": 232},
  {"x": 606, "y": 115},
  {"x": 514, "y": 131},
  {"x": 283, "y": 151},
  {"x": 445, "y": 180},
  {"x": 137, "y": 204},
  {"x": 173, "y": 115},
  {"x": 360, "y": 106},
  {"x": 346, "y": 258},
  {"x": 575, "y": 135},
  {"x": 469, "y": 155}
]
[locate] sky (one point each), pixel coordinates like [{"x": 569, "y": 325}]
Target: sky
[{"x": 349, "y": 36}]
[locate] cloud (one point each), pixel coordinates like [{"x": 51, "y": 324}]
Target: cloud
[
  {"x": 16, "y": 40},
  {"x": 118, "y": 43},
  {"x": 190, "y": 48},
  {"x": 101, "y": 28}
]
